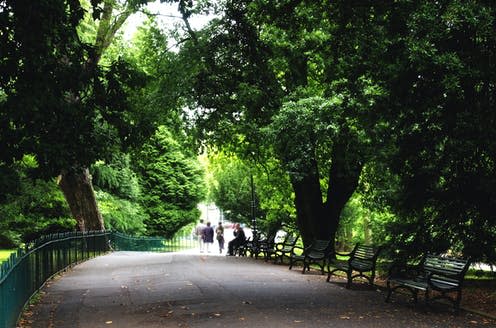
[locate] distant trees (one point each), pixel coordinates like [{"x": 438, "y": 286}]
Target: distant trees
[
  {"x": 392, "y": 100},
  {"x": 283, "y": 91},
  {"x": 246, "y": 190},
  {"x": 173, "y": 182}
]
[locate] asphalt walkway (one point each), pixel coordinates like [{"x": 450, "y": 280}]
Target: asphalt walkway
[{"x": 132, "y": 289}]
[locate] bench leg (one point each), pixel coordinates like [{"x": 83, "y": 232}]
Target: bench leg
[
  {"x": 372, "y": 278},
  {"x": 457, "y": 302},
  {"x": 349, "y": 278},
  {"x": 388, "y": 296},
  {"x": 415, "y": 295},
  {"x": 305, "y": 266}
]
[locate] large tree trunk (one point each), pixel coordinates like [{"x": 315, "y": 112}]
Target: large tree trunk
[
  {"x": 344, "y": 175},
  {"x": 319, "y": 220},
  {"x": 78, "y": 191},
  {"x": 76, "y": 184},
  {"x": 309, "y": 208}
]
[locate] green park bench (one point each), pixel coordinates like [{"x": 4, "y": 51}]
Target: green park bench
[
  {"x": 242, "y": 249},
  {"x": 316, "y": 253},
  {"x": 282, "y": 249},
  {"x": 444, "y": 275},
  {"x": 266, "y": 245},
  {"x": 362, "y": 259}
]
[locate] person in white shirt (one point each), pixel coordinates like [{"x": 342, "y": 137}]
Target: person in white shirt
[{"x": 199, "y": 234}]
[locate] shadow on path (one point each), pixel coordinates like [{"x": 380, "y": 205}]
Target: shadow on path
[{"x": 130, "y": 289}]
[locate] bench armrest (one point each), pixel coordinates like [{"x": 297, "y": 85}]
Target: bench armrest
[
  {"x": 280, "y": 246},
  {"x": 342, "y": 254},
  {"x": 332, "y": 256},
  {"x": 298, "y": 247}
]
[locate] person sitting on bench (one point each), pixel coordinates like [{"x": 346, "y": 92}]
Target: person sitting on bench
[{"x": 239, "y": 239}]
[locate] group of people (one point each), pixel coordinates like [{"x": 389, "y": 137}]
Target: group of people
[{"x": 205, "y": 236}]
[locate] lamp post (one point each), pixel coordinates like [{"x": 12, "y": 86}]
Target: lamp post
[{"x": 253, "y": 217}]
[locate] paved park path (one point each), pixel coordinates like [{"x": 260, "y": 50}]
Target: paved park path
[{"x": 131, "y": 289}]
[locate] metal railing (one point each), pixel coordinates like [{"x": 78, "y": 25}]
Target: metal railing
[
  {"x": 122, "y": 242},
  {"x": 26, "y": 271}
]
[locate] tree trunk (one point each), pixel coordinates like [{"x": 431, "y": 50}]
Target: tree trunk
[
  {"x": 78, "y": 191},
  {"x": 309, "y": 207},
  {"x": 319, "y": 220},
  {"x": 344, "y": 175}
]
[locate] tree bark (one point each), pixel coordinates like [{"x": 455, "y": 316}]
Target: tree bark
[
  {"x": 76, "y": 184},
  {"x": 78, "y": 191},
  {"x": 309, "y": 207},
  {"x": 344, "y": 175},
  {"x": 318, "y": 219}
]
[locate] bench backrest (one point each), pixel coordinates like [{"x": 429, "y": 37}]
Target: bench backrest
[
  {"x": 364, "y": 256},
  {"x": 447, "y": 270},
  {"x": 269, "y": 241},
  {"x": 319, "y": 248},
  {"x": 290, "y": 240}
]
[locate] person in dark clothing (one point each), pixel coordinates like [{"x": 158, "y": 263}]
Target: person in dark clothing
[
  {"x": 219, "y": 231},
  {"x": 239, "y": 239},
  {"x": 208, "y": 236}
]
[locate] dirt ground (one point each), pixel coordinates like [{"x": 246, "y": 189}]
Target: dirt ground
[
  {"x": 480, "y": 295},
  {"x": 477, "y": 295}
]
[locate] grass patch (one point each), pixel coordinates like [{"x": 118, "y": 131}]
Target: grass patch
[
  {"x": 480, "y": 275},
  {"x": 5, "y": 253}
]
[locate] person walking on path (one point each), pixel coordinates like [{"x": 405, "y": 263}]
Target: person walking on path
[
  {"x": 208, "y": 236},
  {"x": 219, "y": 231},
  {"x": 239, "y": 239},
  {"x": 199, "y": 234}
]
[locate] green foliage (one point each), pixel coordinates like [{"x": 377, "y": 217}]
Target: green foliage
[
  {"x": 172, "y": 184},
  {"x": 363, "y": 224},
  {"x": 230, "y": 189},
  {"x": 32, "y": 207},
  {"x": 5, "y": 254},
  {"x": 168, "y": 220},
  {"x": 301, "y": 129},
  {"x": 441, "y": 78},
  {"x": 121, "y": 215},
  {"x": 58, "y": 101},
  {"x": 117, "y": 177},
  {"x": 275, "y": 196},
  {"x": 46, "y": 90},
  {"x": 161, "y": 101}
]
